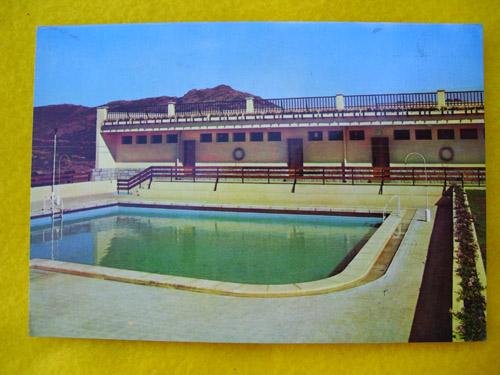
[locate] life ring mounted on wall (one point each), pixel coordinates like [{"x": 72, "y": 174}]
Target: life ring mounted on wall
[
  {"x": 446, "y": 153},
  {"x": 238, "y": 154}
]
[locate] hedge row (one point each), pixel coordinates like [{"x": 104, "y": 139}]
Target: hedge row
[{"x": 472, "y": 316}]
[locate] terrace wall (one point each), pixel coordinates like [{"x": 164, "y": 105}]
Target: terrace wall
[{"x": 79, "y": 189}]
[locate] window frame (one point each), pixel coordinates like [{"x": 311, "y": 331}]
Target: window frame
[
  {"x": 129, "y": 138},
  {"x": 400, "y": 132},
  {"x": 464, "y": 131},
  {"x": 206, "y": 138},
  {"x": 333, "y": 139},
  {"x": 168, "y": 138},
  {"x": 353, "y": 132},
  {"x": 154, "y": 137},
  {"x": 441, "y": 133},
  {"x": 271, "y": 135},
  {"x": 141, "y": 139},
  {"x": 258, "y": 139},
  {"x": 420, "y": 132},
  {"x": 239, "y": 134},
  {"x": 222, "y": 137},
  {"x": 315, "y": 135}
]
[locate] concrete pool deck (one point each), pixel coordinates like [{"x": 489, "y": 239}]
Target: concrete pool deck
[
  {"x": 380, "y": 311},
  {"x": 361, "y": 198}
]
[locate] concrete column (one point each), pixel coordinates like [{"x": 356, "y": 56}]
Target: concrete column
[
  {"x": 339, "y": 102},
  {"x": 441, "y": 99},
  {"x": 103, "y": 157},
  {"x": 171, "y": 109},
  {"x": 249, "y": 105}
]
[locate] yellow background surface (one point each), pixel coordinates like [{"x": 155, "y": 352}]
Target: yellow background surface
[{"x": 21, "y": 354}]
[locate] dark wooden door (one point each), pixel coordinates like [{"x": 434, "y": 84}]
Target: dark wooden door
[
  {"x": 189, "y": 154},
  {"x": 380, "y": 152},
  {"x": 295, "y": 153}
]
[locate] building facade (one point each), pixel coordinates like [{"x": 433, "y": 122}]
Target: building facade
[{"x": 446, "y": 128}]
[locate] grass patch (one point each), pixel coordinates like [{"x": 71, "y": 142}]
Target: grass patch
[{"x": 477, "y": 202}]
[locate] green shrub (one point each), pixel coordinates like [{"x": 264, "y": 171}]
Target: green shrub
[{"x": 472, "y": 316}]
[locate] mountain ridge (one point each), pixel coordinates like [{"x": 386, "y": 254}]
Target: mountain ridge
[{"x": 76, "y": 126}]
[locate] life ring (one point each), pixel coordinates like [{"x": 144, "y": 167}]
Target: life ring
[
  {"x": 238, "y": 154},
  {"x": 446, "y": 153}
]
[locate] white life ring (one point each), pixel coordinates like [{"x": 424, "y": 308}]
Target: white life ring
[
  {"x": 446, "y": 153},
  {"x": 238, "y": 154}
]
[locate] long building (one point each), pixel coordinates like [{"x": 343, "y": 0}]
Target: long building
[{"x": 446, "y": 128}]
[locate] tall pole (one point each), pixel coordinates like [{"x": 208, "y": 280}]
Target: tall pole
[{"x": 54, "y": 163}]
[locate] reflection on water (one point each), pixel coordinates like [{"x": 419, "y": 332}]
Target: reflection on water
[{"x": 249, "y": 248}]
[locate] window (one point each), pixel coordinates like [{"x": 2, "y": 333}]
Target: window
[
  {"x": 256, "y": 136},
  {"x": 127, "y": 140},
  {"x": 141, "y": 139},
  {"x": 446, "y": 134},
  {"x": 238, "y": 137},
  {"x": 172, "y": 138},
  {"x": 336, "y": 135},
  {"x": 157, "y": 138},
  {"x": 222, "y": 137},
  {"x": 468, "y": 133},
  {"x": 206, "y": 137},
  {"x": 356, "y": 135},
  {"x": 315, "y": 136},
  {"x": 274, "y": 136},
  {"x": 401, "y": 135},
  {"x": 423, "y": 134}
]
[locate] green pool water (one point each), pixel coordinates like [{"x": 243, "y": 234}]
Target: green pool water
[{"x": 236, "y": 247}]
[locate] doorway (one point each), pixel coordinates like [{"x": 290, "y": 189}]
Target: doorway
[
  {"x": 189, "y": 154},
  {"x": 380, "y": 152},
  {"x": 295, "y": 153},
  {"x": 380, "y": 158}
]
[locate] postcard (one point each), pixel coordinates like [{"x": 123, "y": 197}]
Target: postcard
[{"x": 259, "y": 182}]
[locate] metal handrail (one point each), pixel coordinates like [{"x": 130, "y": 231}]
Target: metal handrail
[
  {"x": 398, "y": 212},
  {"x": 339, "y": 174}
]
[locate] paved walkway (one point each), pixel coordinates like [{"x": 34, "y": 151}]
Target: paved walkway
[
  {"x": 432, "y": 321},
  {"x": 380, "y": 311}
]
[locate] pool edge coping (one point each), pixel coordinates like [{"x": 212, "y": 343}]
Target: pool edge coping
[
  {"x": 357, "y": 270},
  {"x": 358, "y": 212}
]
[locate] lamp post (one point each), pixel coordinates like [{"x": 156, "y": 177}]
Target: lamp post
[
  {"x": 52, "y": 197},
  {"x": 427, "y": 210}
]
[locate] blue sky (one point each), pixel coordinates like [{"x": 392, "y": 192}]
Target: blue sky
[{"x": 92, "y": 65}]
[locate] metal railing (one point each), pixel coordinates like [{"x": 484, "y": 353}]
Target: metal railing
[
  {"x": 289, "y": 105},
  {"x": 141, "y": 109},
  {"x": 317, "y": 104},
  {"x": 391, "y": 101},
  {"x": 462, "y": 99},
  {"x": 135, "y": 115},
  {"x": 231, "y": 107},
  {"x": 322, "y": 175}
]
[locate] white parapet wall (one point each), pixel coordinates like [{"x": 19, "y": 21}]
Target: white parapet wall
[{"x": 79, "y": 189}]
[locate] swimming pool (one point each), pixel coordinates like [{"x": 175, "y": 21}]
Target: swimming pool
[{"x": 254, "y": 248}]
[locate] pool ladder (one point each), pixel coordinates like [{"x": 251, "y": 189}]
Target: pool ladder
[{"x": 56, "y": 207}]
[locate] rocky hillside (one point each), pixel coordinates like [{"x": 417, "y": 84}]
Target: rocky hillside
[
  {"x": 218, "y": 93},
  {"x": 76, "y": 126}
]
